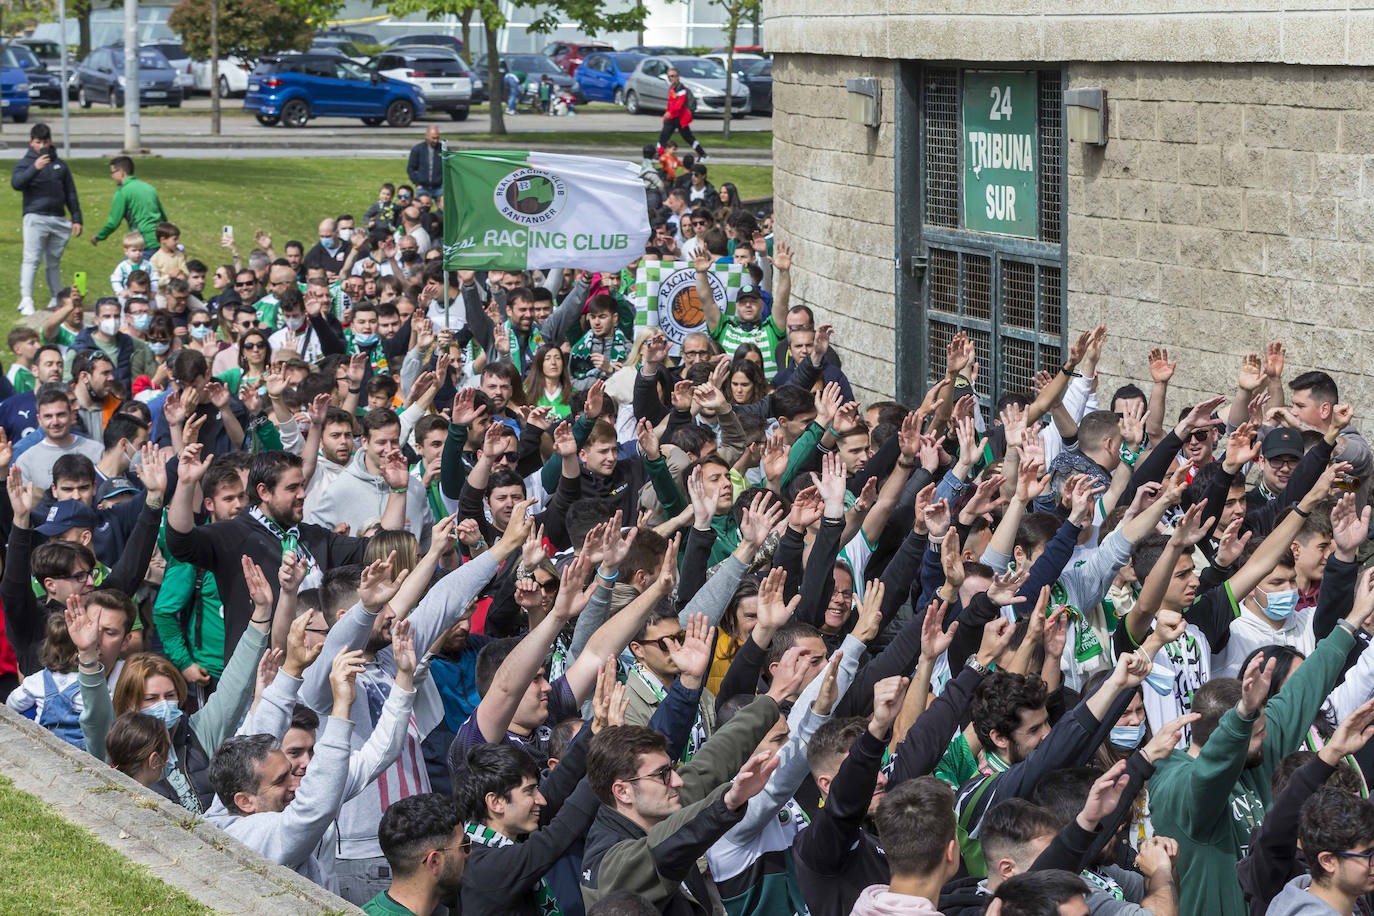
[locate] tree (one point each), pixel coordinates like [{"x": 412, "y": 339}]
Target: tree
[
  {"x": 736, "y": 12},
  {"x": 591, "y": 19},
  {"x": 248, "y": 29}
]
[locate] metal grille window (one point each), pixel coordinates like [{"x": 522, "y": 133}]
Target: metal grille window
[{"x": 1004, "y": 291}]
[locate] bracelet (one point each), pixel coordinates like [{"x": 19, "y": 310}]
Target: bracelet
[
  {"x": 91, "y": 666},
  {"x": 255, "y": 620},
  {"x": 1300, "y": 512},
  {"x": 1071, "y": 371},
  {"x": 400, "y": 490},
  {"x": 602, "y": 575},
  {"x": 833, "y": 431},
  {"x": 906, "y": 466},
  {"x": 937, "y": 541},
  {"x": 152, "y": 503},
  {"x": 1346, "y": 625},
  {"x": 355, "y": 390}
]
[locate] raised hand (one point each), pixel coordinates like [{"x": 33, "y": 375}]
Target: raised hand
[
  {"x": 343, "y": 674},
  {"x": 773, "y": 612},
  {"x": 1161, "y": 370},
  {"x": 937, "y": 518},
  {"x": 1231, "y": 545},
  {"x": 1103, "y": 796},
  {"x": 571, "y": 597},
  {"x": 258, "y": 589},
  {"x": 1133, "y": 424},
  {"x": 831, "y": 484},
  {"x": 1349, "y": 529},
  {"x": 774, "y": 457},
  {"x": 1251, "y": 375},
  {"x": 1254, "y": 686},
  {"x": 1351, "y": 735},
  {"x": 693, "y": 655},
  {"x": 1163, "y": 742},
  {"x": 888, "y": 696},
  {"x": 951, "y": 560},
  {"x": 1274, "y": 356},
  {"x": 935, "y": 639},
  {"x": 871, "y": 612},
  {"x": 1192, "y": 527},
  {"x": 751, "y": 779},
  {"x": 21, "y": 497},
  {"x": 760, "y": 517},
  {"x": 300, "y": 656},
  {"x": 83, "y": 626},
  {"x": 1242, "y": 447},
  {"x": 996, "y": 638},
  {"x": 787, "y": 679},
  {"x": 377, "y": 586},
  {"x": 403, "y": 651},
  {"x": 648, "y": 440},
  {"x": 466, "y": 410},
  {"x": 807, "y": 509},
  {"x": 533, "y": 552},
  {"x": 1005, "y": 585},
  {"x": 829, "y": 691},
  {"x": 596, "y": 399}
]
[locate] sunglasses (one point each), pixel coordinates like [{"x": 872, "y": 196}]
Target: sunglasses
[
  {"x": 509, "y": 457},
  {"x": 663, "y": 774},
  {"x": 200, "y": 324},
  {"x": 254, "y": 345},
  {"x": 662, "y": 642},
  {"x": 550, "y": 587},
  {"x": 245, "y": 285},
  {"x": 1199, "y": 435}
]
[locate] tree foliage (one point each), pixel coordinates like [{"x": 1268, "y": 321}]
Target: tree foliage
[{"x": 248, "y": 29}]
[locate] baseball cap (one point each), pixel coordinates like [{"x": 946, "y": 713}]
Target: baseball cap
[
  {"x": 1281, "y": 441},
  {"x": 113, "y": 487},
  {"x": 68, "y": 514},
  {"x": 749, "y": 291}
]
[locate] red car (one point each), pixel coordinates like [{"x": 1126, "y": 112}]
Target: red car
[{"x": 570, "y": 54}]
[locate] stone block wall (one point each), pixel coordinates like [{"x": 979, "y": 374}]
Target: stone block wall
[
  {"x": 832, "y": 185},
  {"x": 1232, "y": 205}
]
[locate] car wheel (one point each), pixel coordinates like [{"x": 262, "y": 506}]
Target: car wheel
[
  {"x": 632, "y": 102},
  {"x": 295, "y": 113},
  {"x": 400, "y": 113},
  {"x": 82, "y": 97},
  {"x": 117, "y": 99},
  {"x": 268, "y": 120},
  {"x": 373, "y": 122},
  {"x": 224, "y": 87},
  {"x": 458, "y": 114},
  {"x": 619, "y": 96},
  {"x": 21, "y": 118}
]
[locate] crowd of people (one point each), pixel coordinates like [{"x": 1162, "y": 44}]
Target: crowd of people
[{"x": 460, "y": 594}]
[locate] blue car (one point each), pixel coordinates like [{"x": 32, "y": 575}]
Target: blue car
[
  {"x": 603, "y": 76},
  {"x": 14, "y": 94},
  {"x": 292, "y": 89}
]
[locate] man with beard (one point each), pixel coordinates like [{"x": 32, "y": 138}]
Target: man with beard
[
  {"x": 272, "y": 525},
  {"x": 1209, "y": 796},
  {"x": 377, "y": 483},
  {"x": 1337, "y": 837},
  {"x": 330, "y": 441},
  {"x": 423, "y": 841}
]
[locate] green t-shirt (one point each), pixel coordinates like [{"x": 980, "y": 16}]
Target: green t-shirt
[
  {"x": 382, "y": 905},
  {"x": 730, "y": 334},
  {"x": 21, "y": 378}
]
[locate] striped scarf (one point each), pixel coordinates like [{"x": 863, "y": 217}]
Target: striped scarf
[{"x": 543, "y": 894}]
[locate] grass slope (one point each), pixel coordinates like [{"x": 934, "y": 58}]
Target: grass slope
[{"x": 49, "y": 865}]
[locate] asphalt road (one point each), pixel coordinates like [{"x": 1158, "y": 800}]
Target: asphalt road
[{"x": 185, "y": 132}]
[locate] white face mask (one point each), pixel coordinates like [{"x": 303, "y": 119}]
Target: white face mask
[
  {"x": 109, "y": 326},
  {"x": 296, "y": 322},
  {"x": 345, "y": 235}
]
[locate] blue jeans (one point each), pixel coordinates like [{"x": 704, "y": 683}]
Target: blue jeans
[{"x": 512, "y": 96}]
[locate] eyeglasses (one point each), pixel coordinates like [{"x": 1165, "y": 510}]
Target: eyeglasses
[
  {"x": 662, "y": 641},
  {"x": 1367, "y": 856},
  {"x": 664, "y": 774},
  {"x": 688, "y": 354},
  {"x": 79, "y": 575}
]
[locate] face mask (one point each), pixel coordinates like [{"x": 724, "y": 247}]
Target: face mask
[
  {"x": 1281, "y": 604},
  {"x": 365, "y": 340},
  {"x": 345, "y": 235},
  {"x": 1127, "y": 737},
  {"x": 1160, "y": 682},
  {"x": 159, "y": 348},
  {"x": 141, "y": 322},
  {"x": 167, "y": 711},
  {"x": 200, "y": 331},
  {"x": 295, "y": 323},
  {"x": 329, "y": 243},
  {"x": 109, "y": 326}
]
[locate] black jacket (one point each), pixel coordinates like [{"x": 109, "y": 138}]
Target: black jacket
[
  {"x": 425, "y": 167},
  {"x": 49, "y": 191}
]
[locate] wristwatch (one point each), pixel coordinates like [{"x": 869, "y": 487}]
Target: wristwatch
[{"x": 978, "y": 666}]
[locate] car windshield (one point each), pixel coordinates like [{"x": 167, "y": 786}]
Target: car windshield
[
  {"x": 149, "y": 59},
  {"x": 46, "y": 48},
  {"x": 348, "y": 70},
  {"x": 19, "y": 56},
  {"x": 754, "y": 67},
  {"x": 532, "y": 63},
  {"x": 699, "y": 68},
  {"x": 626, "y": 61}
]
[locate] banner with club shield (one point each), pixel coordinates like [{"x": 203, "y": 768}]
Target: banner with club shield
[
  {"x": 666, "y": 296},
  {"x": 523, "y": 211}
]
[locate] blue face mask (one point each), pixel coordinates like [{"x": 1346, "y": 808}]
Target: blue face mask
[
  {"x": 158, "y": 347},
  {"x": 365, "y": 340},
  {"x": 1160, "y": 682},
  {"x": 330, "y": 243},
  {"x": 200, "y": 331},
  {"x": 1281, "y": 604},
  {"x": 167, "y": 711},
  {"x": 141, "y": 322},
  {"x": 1127, "y": 737}
]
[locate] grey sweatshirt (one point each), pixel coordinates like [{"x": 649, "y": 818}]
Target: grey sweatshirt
[
  {"x": 289, "y": 837},
  {"x": 357, "y": 495},
  {"x": 1294, "y": 900}
]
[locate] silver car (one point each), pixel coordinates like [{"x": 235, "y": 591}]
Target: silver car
[{"x": 647, "y": 87}]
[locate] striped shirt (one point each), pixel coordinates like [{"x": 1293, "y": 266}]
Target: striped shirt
[{"x": 730, "y": 334}]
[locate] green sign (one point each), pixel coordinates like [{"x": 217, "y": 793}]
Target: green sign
[{"x": 1000, "y": 152}]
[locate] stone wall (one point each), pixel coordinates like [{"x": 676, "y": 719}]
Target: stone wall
[
  {"x": 1232, "y": 205},
  {"x": 832, "y": 186}
]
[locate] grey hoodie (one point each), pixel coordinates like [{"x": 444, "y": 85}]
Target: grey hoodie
[
  {"x": 1294, "y": 900},
  {"x": 357, "y": 496},
  {"x": 289, "y": 837}
]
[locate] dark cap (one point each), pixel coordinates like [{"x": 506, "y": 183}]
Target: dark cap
[
  {"x": 749, "y": 291},
  {"x": 66, "y": 515},
  {"x": 113, "y": 487},
  {"x": 1281, "y": 441}
]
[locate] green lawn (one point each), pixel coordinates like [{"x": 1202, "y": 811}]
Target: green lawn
[
  {"x": 287, "y": 197},
  {"x": 49, "y": 865}
]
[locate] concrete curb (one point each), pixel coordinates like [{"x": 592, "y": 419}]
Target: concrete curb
[{"x": 177, "y": 847}]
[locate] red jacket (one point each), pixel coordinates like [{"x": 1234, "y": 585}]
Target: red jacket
[{"x": 677, "y": 105}]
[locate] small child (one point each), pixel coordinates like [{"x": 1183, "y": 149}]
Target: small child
[
  {"x": 133, "y": 260},
  {"x": 603, "y": 349},
  {"x": 668, "y": 160},
  {"x": 381, "y": 392},
  {"x": 52, "y": 695},
  {"x": 169, "y": 260},
  {"x": 545, "y": 93},
  {"x": 382, "y": 214},
  {"x": 24, "y": 345}
]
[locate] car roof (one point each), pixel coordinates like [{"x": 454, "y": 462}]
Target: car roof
[{"x": 431, "y": 50}]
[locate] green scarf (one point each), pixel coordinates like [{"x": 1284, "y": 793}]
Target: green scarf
[
  {"x": 548, "y": 904},
  {"x": 698, "y": 736}
]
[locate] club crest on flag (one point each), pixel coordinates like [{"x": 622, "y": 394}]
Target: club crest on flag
[
  {"x": 666, "y": 296},
  {"x": 530, "y": 197}
]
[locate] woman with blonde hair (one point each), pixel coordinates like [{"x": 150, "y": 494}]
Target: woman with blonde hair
[
  {"x": 385, "y": 541},
  {"x": 151, "y": 684}
]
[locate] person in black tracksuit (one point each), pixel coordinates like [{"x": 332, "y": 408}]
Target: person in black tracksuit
[{"x": 49, "y": 195}]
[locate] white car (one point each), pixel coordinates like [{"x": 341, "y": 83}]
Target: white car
[
  {"x": 233, "y": 76},
  {"x": 439, "y": 73}
]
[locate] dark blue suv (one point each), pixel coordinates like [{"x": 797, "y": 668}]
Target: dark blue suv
[{"x": 295, "y": 88}]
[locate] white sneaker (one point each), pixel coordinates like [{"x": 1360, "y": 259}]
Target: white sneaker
[{"x": 26, "y": 306}]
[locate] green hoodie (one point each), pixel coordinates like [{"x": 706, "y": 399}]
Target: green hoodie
[
  {"x": 137, "y": 202},
  {"x": 1209, "y": 803}
]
